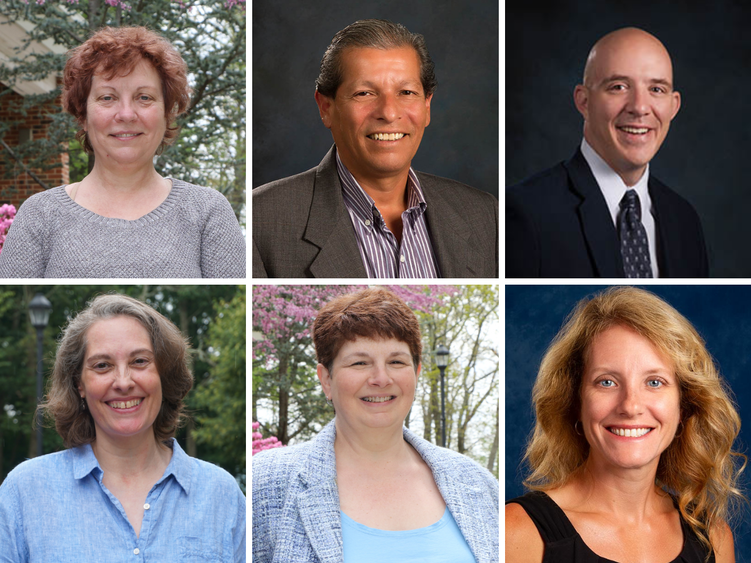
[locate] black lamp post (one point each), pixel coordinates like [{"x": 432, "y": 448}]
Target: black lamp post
[
  {"x": 39, "y": 313},
  {"x": 442, "y": 360}
]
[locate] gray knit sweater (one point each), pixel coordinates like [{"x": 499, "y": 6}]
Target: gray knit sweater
[{"x": 192, "y": 234}]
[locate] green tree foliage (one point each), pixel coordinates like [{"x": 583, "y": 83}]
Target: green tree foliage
[
  {"x": 209, "y": 34},
  {"x": 220, "y": 397},
  {"x": 193, "y": 309}
]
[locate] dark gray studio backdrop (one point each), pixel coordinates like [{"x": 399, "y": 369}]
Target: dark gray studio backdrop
[
  {"x": 705, "y": 156},
  {"x": 534, "y": 314},
  {"x": 289, "y": 39}
]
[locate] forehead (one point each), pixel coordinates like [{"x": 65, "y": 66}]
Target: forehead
[
  {"x": 373, "y": 346},
  {"x": 634, "y": 56},
  {"x": 116, "y": 333},
  {"x": 143, "y": 73},
  {"x": 619, "y": 343},
  {"x": 365, "y": 63}
]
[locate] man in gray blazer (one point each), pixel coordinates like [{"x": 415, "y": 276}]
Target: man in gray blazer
[{"x": 364, "y": 212}]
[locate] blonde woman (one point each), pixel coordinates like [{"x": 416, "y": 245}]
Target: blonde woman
[{"x": 631, "y": 458}]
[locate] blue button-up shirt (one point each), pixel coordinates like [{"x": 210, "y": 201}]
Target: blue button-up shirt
[{"x": 54, "y": 508}]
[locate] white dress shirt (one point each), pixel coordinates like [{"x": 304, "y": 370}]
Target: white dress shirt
[{"x": 613, "y": 189}]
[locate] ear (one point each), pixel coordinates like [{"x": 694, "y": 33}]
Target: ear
[
  {"x": 325, "y": 107},
  {"x": 676, "y": 104},
  {"x": 325, "y": 378},
  {"x": 427, "y": 120},
  {"x": 417, "y": 371},
  {"x": 581, "y": 100}
]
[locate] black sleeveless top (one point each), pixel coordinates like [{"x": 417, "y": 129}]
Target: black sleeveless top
[{"x": 564, "y": 545}]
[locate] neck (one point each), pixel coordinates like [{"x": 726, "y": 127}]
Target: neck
[
  {"x": 133, "y": 456},
  {"x": 376, "y": 445},
  {"x": 123, "y": 180}
]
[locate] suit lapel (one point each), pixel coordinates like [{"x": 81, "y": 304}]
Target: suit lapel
[
  {"x": 665, "y": 228},
  {"x": 449, "y": 233},
  {"x": 597, "y": 226},
  {"x": 330, "y": 228},
  {"x": 318, "y": 503}
]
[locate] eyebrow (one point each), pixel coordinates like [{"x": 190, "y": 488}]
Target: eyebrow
[
  {"x": 623, "y": 77},
  {"x": 105, "y": 356}
]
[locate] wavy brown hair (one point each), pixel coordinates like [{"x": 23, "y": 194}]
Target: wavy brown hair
[
  {"x": 63, "y": 402},
  {"x": 699, "y": 468},
  {"x": 115, "y": 51}
]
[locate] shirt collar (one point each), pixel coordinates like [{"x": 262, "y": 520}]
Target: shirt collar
[
  {"x": 612, "y": 186},
  {"x": 357, "y": 199},
  {"x": 85, "y": 462}
]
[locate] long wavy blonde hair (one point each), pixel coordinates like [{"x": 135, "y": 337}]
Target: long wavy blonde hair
[{"x": 699, "y": 468}]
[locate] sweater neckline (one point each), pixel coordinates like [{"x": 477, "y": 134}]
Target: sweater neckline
[{"x": 70, "y": 206}]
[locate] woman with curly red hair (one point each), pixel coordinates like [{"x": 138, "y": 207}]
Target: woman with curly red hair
[{"x": 126, "y": 88}]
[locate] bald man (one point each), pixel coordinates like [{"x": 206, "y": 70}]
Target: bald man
[{"x": 601, "y": 213}]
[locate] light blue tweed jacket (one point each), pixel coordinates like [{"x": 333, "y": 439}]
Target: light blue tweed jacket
[{"x": 296, "y": 502}]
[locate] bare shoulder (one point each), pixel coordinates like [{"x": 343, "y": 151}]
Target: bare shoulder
[
  {"x": 722, "y": 540},
  {"x": 523, "y": 541}
]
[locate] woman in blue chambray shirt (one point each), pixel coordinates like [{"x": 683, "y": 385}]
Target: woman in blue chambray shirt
[
  {"x": 366, "y": 489},
  {"x": 124, "y": 490}
]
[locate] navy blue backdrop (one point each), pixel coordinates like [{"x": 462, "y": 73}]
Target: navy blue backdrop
[{"x": 534, "y": 314}]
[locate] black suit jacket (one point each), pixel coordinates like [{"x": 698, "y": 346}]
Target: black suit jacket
[
  {"x": 301, "y": 228},
  {"x": 558, "y": 226}
]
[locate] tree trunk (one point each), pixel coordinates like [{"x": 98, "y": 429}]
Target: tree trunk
[
  {"x": 282, "y": 433},
  {"x": 494, "y": 448}
]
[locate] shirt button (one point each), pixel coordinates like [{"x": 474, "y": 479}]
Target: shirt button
[
  {"x": 367, "y": 223},
  {"x": 136, "y": 551},
  {"x": 146, "y": 506},
  {"x": 402, "y": 258}
]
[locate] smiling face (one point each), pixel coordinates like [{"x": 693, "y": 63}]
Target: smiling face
[
  {"x": 372, "y": 383},
  {"x": 630, "y": 401},
  {"x": 379, "y": 113},
  {"x": 125, "y": 120},
  {"x": 627, "y": 100},
  {"x": 120, "y": 382}
]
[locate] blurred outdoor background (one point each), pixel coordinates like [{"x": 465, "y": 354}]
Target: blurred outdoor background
[
  {"x": 37, "y": 146},
  {"x": 213, "y": 319},
  {"x": 287, "y": 400}
]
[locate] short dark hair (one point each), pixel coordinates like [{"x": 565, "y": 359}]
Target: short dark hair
[
  {"x": 370, "y": 313},
  {"x": 63, "y": 403},
  {"x": 116, "y": 51},
  {"x": 374, "y": 34}
]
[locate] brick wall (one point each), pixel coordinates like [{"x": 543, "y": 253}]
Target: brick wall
[{"x": 21, "y": 185}]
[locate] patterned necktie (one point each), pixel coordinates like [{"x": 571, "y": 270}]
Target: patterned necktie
[{"x": 634, "y": 246}]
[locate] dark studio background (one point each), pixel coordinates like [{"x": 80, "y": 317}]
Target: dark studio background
[
  {"x": 289, "y": 39},
  {"x": 534, "y": 314},
  {"x": 705, "y": 154}
]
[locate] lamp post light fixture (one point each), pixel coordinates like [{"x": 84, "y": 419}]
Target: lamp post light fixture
[
  {"x": 39, "y": 313},
  {"x": 442, "y": 360}
]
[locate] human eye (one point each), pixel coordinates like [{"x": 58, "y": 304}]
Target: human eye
[
  {"x": 655, "y": 383},
  {"x": 140, "y": 362},
  {"x": 100, "y": 366},
  {"x": 617, "y": 87},
  {"x": 107, "y": 98},
  {"x": 606, "y": 383}
]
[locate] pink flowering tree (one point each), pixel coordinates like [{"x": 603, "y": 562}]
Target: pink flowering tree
[
  {"x": 286, "y": 391},
  {"x": 7, "y": 214},
  {"x": 260, "y": 443}
]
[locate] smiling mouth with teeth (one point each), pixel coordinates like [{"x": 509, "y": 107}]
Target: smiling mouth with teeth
[
  {"x": 630, "y": 432},
  {"x": 124, "y": 404},
  {"x": 378, "y": 399},
  {"x": 635, "y": 130},
  {"x": 386, "y": 136}
]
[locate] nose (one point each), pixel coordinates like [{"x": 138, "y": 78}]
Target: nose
[
  {"x": 638, "y": 102},
  {"x": 379, "y": 376},
  {"x": 126, "y": 111},
  {"x": 123, "y": 379},
  {"x": 388, "y": 108},
  {"x": 631, "y": 402}
]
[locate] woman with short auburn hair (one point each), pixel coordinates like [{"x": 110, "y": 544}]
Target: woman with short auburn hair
[
  {"x": 125, "y": 87},
  {"x": 634, "y": 427},
  {"x": 124, "y": 487},
  {"x": 366, "y": 489}
]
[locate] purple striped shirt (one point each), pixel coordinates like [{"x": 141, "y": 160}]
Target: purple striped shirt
[{"x": 381, "y": 254}]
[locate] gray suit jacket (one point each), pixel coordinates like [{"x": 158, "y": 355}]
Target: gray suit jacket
[
  {"x": 296, "y": 501},
  {"x": 301, "y": 228}
]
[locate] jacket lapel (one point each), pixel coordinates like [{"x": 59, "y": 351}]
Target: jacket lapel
[
  {"x": 318, "y": 503},
  {"x": 449, "y": 233},
  {"x": 597, "y": 226},
  {"x": 330, "y": 228}
]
